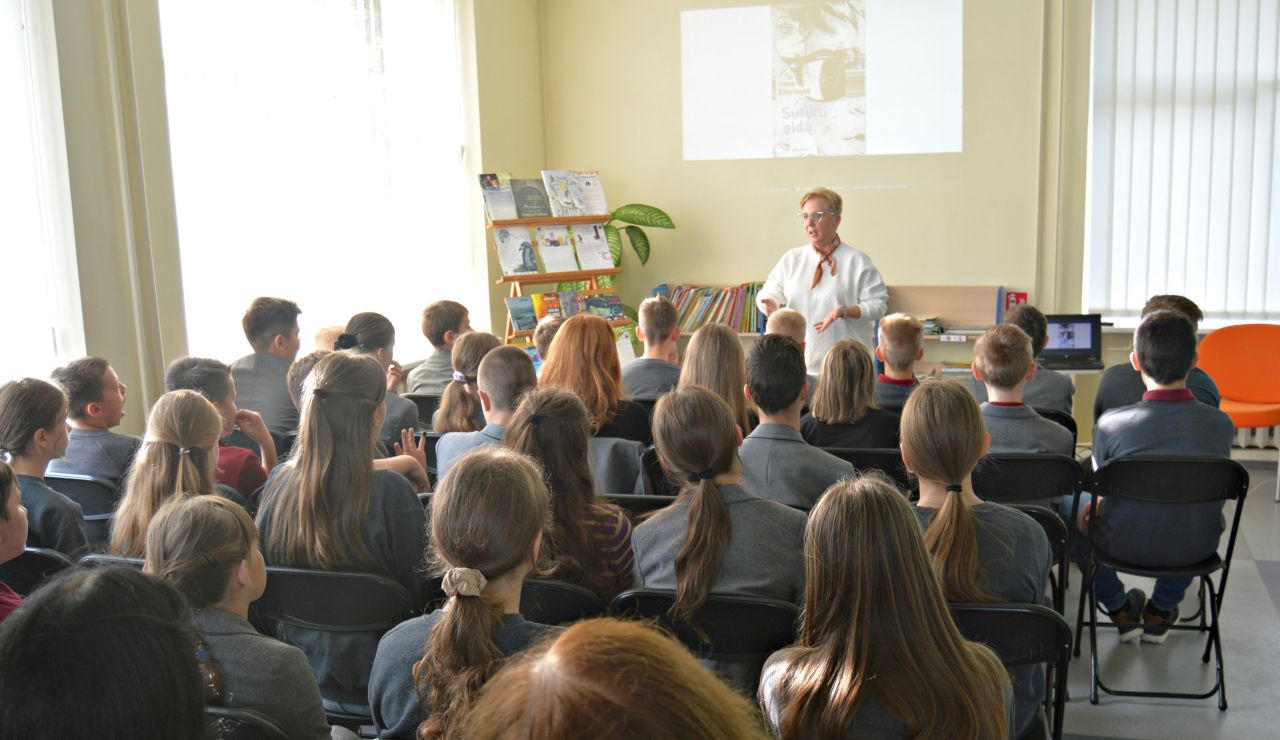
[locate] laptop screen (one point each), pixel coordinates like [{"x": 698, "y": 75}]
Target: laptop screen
[{"x": 1073, "y": 338}]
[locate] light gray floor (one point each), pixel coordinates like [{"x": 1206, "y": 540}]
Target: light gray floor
[{"x": 1250, "y": 623}]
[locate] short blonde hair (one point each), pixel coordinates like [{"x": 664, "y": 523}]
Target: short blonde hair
[
  {"x": 832, "y": 197},
  {"x": 846, "y": 384},
  {"x": 789, "y": 323},
  {"x": 657, "y": 319},
  {"x": 901, "y": 337},
  {"x": 1003, "y": 356}
]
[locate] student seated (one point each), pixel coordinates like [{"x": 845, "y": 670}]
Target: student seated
[
  {"x": 900, "y": 345},
  {"x": 460, "y": 409},
  {"x": 327, "y": 337},
  {"x": 984, "y": 551},
  {"x": 505, "y": 374},
  {"x": 878, "y": 655},
  {"x": 178, "y": 459},
  {"x": 718, "y": 536},
  {"x": 486, "y": 527},
  {"x": 543, "y": 333},
  {"x": 443, "y": 323},
  {"x": 791, "y": 323},
  {"x": 1047, "y": 389},
  {"x": 590, "y": 540},
  {"x": 843, "y": 413},
  {"x": 104, "y": 653},
  {"x": 299, "y": 371},
  {"x": 207, "y": 547},
  {"x": 659, "y": 370},
  {"x": 584, "y": 359},
  {"x": 1169, "y": 420},
  {"x": 95, "y": 406},
  {"x": 271, "y": 326},
  {"x": 714, "y": 360},
  {"x": 326, "y": 508},
  {"x": 237, "y": 467},
  {"x": 776, "y": 461},
  {"x": 13, "y": 533},
  {"x": 372, "y": 334},
  {"x": 1121, "y": 385},
  {"x": 1003, "y": 361},
  {"x": 610, "y": 678},
  {"x": 33, "y": 431}
]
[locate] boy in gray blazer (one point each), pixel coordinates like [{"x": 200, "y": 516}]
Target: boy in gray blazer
[
  {"x": 1002, "y": 360},
  {"x": 442, "y": 323},
  {"x": 504, "y": 375},
  {"x": 659, "y": 370},
  {"x": 95, "y": 405},
  {"x": 1047, "y": 389},
  {"x": 262, "y": 385}
]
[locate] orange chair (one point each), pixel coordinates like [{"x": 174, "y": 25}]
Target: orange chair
[{"x": 1244, "y": 360}]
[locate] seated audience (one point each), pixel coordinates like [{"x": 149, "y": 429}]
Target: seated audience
[
  {"x": 900, "y": 345},
  {"x": 326, "y": 508},
  {"x": 33, "y": 431},
  {"x": 1004, "y": 363},
  {"x": 271, "y": 326},
  {"x": 178, "y": 458},
  {"x": 486, "y": 527},
  {"x": 1121, "y": 385},
  {"x": 878, "y": 655},
  {"x": 1047, "y": 389},
  {"x": 103, "y": 653},
  {"x": 1169, "y": 420},
  {"x": 718, "y": 537},
  {"x": 589, "y": 540},
  {"x": 609, "y": 678},
  {"x": 983, "y": 551},
  {"x": 505, "y": 374},
  {"x": 299, "y": 371},
  {"x": 843, "y": 413},
  {"x": 460, "y": 409},
  {"x": 658, "y": 371},
  {"x": 13, "y": 533},
  {"x": 584, "y": 359},
  {"x": 714, "y": 360},
  {"x": 207, "y": 547},
  {"x": 95, "y": 406},
  {"x": 791, "y": 323},
  {"x": 776, "y": 461},
  {"x": 372, "y": 334},
  {"x": 543, "y": 333},
  {"x": 237, "y": 467},
  {"x": 443, "y": 324}
]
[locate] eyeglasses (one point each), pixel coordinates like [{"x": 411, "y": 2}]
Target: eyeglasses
[{"x": 817, "y": 216}]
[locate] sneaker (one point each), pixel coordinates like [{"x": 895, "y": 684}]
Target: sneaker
[
  {"x": 1128, "y": 618},
  {"x": 1155, "y": 627}
]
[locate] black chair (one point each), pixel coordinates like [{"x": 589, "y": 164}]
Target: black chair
[
  {"x": 103, "y": 560},
  {"x": 740, "y": 631},
  {"x": 1025, "y": 478},
  {"x": 1066, "y": 420},
  {"x": 557, "y": 602},
  {"x": 234, "y": 723},
  {"x": 429, "y": 449},
  {"x": 660, "y": 483},
  {"x": 97, "y": 499},
  {"x": 647, "y": 403},
  {"x": 1023, "y": 634},
  {"x": 1059, "y": 544},
  {"x": 284, "y": 445},
  {"x": 637, "y": 505},
  {"x": 26, "y": 572},
  {"x": 427, "y": 405},
  {"x": 1164, "y": 483},
  {"x": 887, "y": 461}
]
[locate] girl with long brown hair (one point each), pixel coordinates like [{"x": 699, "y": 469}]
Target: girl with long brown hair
[
  {"x": 584, "y": 359},
  {"x": 878, "y": 655},
  {"x": 487, "y": 520},
  {"x": 982, "y": 551},
  {"x": 843, "y": 411},
  {"x": 717, "y": 536},
  {"x": 715, "y": 360},
  {"x": 460, "y": 404},
  {"x": 590, "y": 540},
  {"x": 374, "y": 335}
]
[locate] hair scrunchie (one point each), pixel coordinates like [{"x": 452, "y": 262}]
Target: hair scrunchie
[
  {"x": 463, "y": 582},
  {"x": 184, "y": 450},
  {"x": 320, "y": 393},
  {"x": 701, "y": 475},
  {"x": 346, "y": 341},
  {"x": 459, "y": 376},
  {"x": 955, "y": 488}
]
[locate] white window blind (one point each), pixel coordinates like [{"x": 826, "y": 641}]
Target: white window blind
[
  {"x": 1183, "y": 157},
  {"x": 317, "y": 156}
]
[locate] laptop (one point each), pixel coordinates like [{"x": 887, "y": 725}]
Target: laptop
[{"x": 1075, "y": 342}]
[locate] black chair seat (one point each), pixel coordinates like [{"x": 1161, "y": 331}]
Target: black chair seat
[
  {"x": 34, "y": 566},
  {"x": 235, "y": 723},
  {"x": 557, "y": 602},
  {"x": 1211, "y": 564}
]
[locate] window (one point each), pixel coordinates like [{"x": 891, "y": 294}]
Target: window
[
  {"x": 1183, "y": 157},
  {"x": 317, "y": 156}
]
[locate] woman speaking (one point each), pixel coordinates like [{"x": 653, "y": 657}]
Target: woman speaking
[{"x": 835, "y": 286}]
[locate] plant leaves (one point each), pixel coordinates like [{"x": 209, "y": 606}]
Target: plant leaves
[
  {"x": 639, "y": 242},
  {"x": 576, "y": 285},
  {"x": 614, "y": 238},
  {"x": 643, "y": 215},
  {"x": 604, "y": 281},
  {"x": 631, "y": 313}
]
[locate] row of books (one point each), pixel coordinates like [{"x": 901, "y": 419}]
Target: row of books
[
  {"x": 561, "y": 248},
  {"x": 526, "y": 311},
  {"x": 558, "y": 194},
  {"x": 734, "y": 306}
]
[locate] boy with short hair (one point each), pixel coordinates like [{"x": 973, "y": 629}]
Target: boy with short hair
[
  {"x": 95, "y": 405},
  {"x": 504, "y": 376},
  {"x": 271, "y": 326},
  {"x": 1004, "y": 362},
  {"x": 543, "y": 333},
  {"x": 790, "y": 323},
  {"x": 1048, "y": 389},
  {"x": 442, "y": 323},
  {"x": 298, "y": 373},
  {"x": 658, "y": 371},
  {"x": 900, "y": 345},
  {"x": 777, "y": 463}
]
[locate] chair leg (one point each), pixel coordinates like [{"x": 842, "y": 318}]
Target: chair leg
[
  {"x": 1093, "y": 637},
  {"x": 1278, "y": 477},
  {"x": 1084, "y": 587}
]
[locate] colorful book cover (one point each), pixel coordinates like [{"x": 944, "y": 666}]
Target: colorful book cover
[
  {"x": 571, "y": 303},
  {"x": 532, "y": 351},
  {"x": 593, "y": 248},
  {"x": 515, "y": 250},
  {"x": 608, "y": 307},
  {"x": 520, "y": 308},
  {"x": 499, "y": 202},
  {"x": 563, "y": 193},
  {"x": 531, "y": 199},
  {"x": 593, "y": 200},
  {"x": 546, "y": 304},
  {"x": 556, "y": 249}
]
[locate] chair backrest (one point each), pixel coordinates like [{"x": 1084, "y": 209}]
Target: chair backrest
[
  {"x": 1067, "y": 421},
  {"x": 26, "y": 572},
  {"x": 101, "y": 559},
  {"x": 97, "y": 499},
  {"x": 616, "y": 465},
  {"x": 637, "y": 505},
  {"x": 234, "y": 723},
  {"x": 427, "y": 405},
  {"x": 1185, "y": 479},
  {"x": 1059, "y": 538},
  {"x": 284, "y": 445},
  {"x": 557, "y": 602},
  {"x": 332, "y": 601},
  {"x": 429, "y": 449},
  {"x": 1013, "y": 477},
  {"x": 660, "y": 483},
  {"x": 887, "y": 461},
  {"x": 1244, "y": 362},
  {"x": 647, "y": 403}
]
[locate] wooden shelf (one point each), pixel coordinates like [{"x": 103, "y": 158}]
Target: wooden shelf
[
  {"x": 550, "y": 221},
  {"x": 547, "y": 278},
  {"x": 526, "y": 333}
]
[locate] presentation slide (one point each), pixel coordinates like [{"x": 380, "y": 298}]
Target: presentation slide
[
  {"x": 1070, "y": 336},
  {"x": 823, "y": 78}
]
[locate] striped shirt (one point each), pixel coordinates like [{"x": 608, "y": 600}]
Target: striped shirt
[{"x": 611, "y": 530}]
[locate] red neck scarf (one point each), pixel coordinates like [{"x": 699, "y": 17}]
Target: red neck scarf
[{"x": 824, "y": 259}]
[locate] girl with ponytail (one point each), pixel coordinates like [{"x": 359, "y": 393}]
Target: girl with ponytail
[
  {"x": 374, "y": 335},
  {"x": 487, "y": 519},
  {"x": 460, "y": 404},
  {"x": 982, "y": 551},
  {"x": 717, "y": 536}
]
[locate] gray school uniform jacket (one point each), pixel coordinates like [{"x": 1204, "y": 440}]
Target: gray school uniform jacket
[
  {"x": 262, "y": 385},
  {"x": 100, "y": 453},
  {"x": 645, "y": 377},
  {"x": 454, "y": 445},
  {"x": 1122, "y": 386},
  {"x": 779, "y": 465},
  {"x": 1048, "y": 389},
  {"x": 432, "y": 375},
  {"x": 1021, "y": 429},
  {"x": 401, "y": 414}
]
